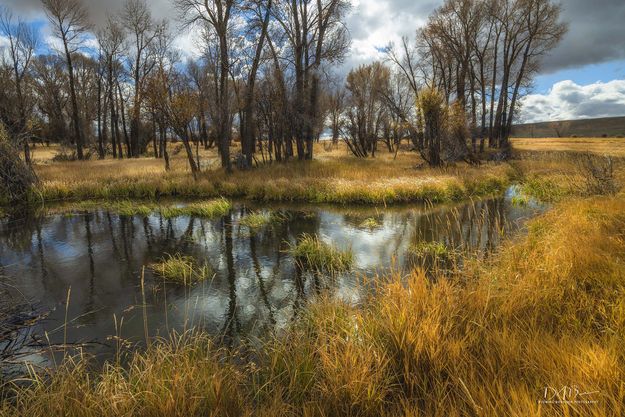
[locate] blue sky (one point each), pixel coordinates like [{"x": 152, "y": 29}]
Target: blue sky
[{"x": 588, "y": 74}]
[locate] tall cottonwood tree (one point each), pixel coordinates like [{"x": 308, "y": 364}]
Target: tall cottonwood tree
[
  {"x": 217, "y": 17},
  {"x": 315, "y": 34},
  {"x": 142, "y": 31},
  {"x": 111, "y": 39},
  {"x": 70, "y": 22},
  {"x": 260, "y": 11}
]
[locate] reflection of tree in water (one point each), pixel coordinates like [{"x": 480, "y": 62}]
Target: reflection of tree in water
[
  {"x": 232, "y": 326},
  {"x": 471, "y": 229},
  {"x": 258, "y": 285}
]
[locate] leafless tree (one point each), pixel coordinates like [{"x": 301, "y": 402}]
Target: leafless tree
[
  {"x": 216, "y": 16},
  {"x": 22, "y": 43},
  {"x": 70, "y": 22},
  {"x": 315, "y": 34},
  {"x": 142, "y": 30},
  {"x": 111, "y": 39},
  {"x": 366, "y": 111}
]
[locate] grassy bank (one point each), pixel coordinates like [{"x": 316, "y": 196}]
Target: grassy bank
[
  {"x": 205, "y": 208},
  {"x": 333, "y": 177},
  {"x": 547, "y": 313}
]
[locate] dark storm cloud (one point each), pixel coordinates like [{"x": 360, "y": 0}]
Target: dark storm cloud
[
  {"x": 596, "y": 34},
  {"x": 98, "y": 9}
]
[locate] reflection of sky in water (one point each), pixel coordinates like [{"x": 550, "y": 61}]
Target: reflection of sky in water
[{"x": 257, "y": 285}]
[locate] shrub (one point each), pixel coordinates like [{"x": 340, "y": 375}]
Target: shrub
[
  {"x": 16, "y": 177},
  {"x": 598, "y": 173}
]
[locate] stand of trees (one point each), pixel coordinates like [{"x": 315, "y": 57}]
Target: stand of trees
[{"x": 262, "y": 78}]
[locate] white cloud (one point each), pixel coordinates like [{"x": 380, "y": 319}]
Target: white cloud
[
  {"x": 567, "y": 101},
  {"x": 374, "y": 24}
]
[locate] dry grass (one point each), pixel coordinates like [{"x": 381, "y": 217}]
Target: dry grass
[
  {"x": 205, "y": 208},
  {"x": 601, "y": 146},
  {"x": 333, "y": 177},
  {"x": 549, "y": 311},
  {"x": 554, "y": 175}
]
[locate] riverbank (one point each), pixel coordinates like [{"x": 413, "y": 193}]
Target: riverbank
[
  {"x": 547, "y": 313},
  {"x": 333, "y": 177},
  {"x": 339, "y": 180}
]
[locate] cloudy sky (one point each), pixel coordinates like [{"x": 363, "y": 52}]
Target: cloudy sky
[{"x": 583, "y": 77}]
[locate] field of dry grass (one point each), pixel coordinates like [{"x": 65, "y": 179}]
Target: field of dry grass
[
  {"x": 333, "y": 177},
  {"x": 599, "y": 146},
  {"x": 538, "y": 331}
]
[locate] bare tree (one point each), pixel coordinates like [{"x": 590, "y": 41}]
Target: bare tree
[
  {"x": 261, "y": 10},
  {"x": 110, "y": 39},
  {"x": 336, "y": 106},
  {"x": 70, "y": 22},
  {"x": 216, "y": 17},
  {"x": 315, "y": 34},
  {"x": 22, "y": 43},
  {"x": 137, "y": 19}
]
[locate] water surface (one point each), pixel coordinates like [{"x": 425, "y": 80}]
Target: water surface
[{"x": 97, "y": 260}]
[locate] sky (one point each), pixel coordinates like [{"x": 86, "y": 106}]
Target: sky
[{"x": 583, "y": 77}]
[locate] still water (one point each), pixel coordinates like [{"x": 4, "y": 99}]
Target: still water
[{"x": 95, "y": 260}]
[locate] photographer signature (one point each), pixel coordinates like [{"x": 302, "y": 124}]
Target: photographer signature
[{"x": 568, "y": 394}]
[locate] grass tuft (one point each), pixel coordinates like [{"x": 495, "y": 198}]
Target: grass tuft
[
  {"x": 259, "y": 219},
  {"x": 207, "y": 209},
  {"x": 315, "y": 254},
  {"x": 437, "y": 250},
  {"x": 181, "y": 269},
  {"x": 370, "y": 223}
]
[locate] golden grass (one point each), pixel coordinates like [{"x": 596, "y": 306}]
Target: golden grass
[
  {"x": 206, "y": 209},
  {"x": 370, "y": 223},
  {"x": 333, "y": 177},
  {"x": 601, "y": 146},
  {"x": 259, "y": 219},
  {"x": 548, "y": 312}
]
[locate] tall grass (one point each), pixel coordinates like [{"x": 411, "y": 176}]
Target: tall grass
[{"x": 547, "y": 313}]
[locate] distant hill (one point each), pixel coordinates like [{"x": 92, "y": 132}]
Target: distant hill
[{"x": 608, "y": 126}]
